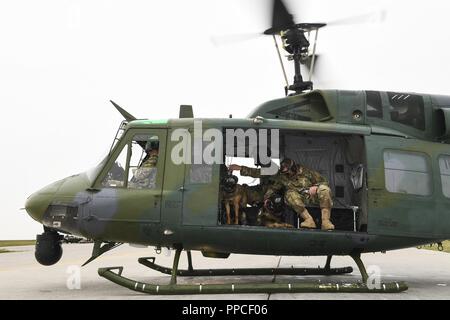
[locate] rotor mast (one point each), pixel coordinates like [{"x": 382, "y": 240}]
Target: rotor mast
[{"x": 294, "y": 42}]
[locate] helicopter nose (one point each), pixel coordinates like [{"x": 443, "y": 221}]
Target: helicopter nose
[
  {"x": 36, "y": 205},
  {"x": 38, "y": 202}
]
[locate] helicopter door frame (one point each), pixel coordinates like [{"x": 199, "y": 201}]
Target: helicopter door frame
[
  {"x": 441, "y": 159},
  {"x": 201, "y": 187},
  {"x": 405, "y": 168},
  {"x": 138, "y": 208}
]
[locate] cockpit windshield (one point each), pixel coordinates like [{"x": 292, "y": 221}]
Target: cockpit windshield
[{"x": 95, "y": 171}]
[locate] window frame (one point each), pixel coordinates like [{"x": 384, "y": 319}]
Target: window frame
[
  {"x": 126, "y": 142},
  {"x": 380, "y": 111},
  {"x": 440, "y": 173},
  {"x": 422, "y": 105},
  {"x": 130, "y": 154},
  {"x": 429, "y": 171}
]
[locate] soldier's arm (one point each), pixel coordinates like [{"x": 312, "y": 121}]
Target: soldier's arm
[
  {"x": 142, "y": 173},
  {"x": 316, "y": 177},
  {"x": 319, "y": 179},
  {"x": 250, "y": 172},
  {"x": 246, "y": 171}
]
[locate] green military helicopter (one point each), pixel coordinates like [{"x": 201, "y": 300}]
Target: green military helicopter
[{"x": 385, "y": 154}]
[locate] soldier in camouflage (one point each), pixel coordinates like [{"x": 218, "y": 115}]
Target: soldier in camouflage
[
  {"x": 255, "y": 195},
  {"x": 145, "y": 175},
  {"x": 303, "y": 186}
]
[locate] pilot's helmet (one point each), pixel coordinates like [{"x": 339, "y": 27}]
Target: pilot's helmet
[
  {"x": 152, "y": 144},
  {"x": 287, "y": 166}
]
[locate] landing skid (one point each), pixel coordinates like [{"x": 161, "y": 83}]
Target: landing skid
[{"x": 293, "y": 287}]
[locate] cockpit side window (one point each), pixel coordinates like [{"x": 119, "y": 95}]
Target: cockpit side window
[
  {"x": 136, "y": 165},
  {"x": 142, "y": 171}
]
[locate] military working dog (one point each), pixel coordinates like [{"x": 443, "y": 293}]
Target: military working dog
[{"x": 233, "y": 194}]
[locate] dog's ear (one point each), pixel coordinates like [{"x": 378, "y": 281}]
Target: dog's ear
[{"x": 236, "y": 179}]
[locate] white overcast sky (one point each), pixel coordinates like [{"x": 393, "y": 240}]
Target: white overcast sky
[{"x": 62, "y": 60}]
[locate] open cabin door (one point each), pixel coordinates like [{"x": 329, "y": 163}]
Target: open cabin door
[{"x": 400, "y": 187}]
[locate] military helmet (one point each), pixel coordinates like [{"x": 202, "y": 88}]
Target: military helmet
[
  {"x": 275, "y": 204},
  {"x": 152, "y": 144},
  {"x": 287, "y": 165}
]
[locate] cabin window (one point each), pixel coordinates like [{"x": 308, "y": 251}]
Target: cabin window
[
  {"x": 407, "y": 109},
  {"x": 374, "y": 106},
  {"x": 142, "y": 170},
  {"x": 444, "y": 166},
  {"x": 407, "y": 172},
  {"x": 199, "y": 171},
  {"x": 116, "y": 175},
  {"x": 200, "y": 174}
]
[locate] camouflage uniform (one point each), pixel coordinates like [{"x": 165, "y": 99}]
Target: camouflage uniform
[
  {"x": 296, "y": 186},
  {"x": 145, "y": 175}
]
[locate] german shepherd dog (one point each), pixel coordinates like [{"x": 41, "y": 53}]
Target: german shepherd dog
[{"x": 234, "y": 195}]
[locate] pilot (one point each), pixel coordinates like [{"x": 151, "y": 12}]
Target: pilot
[
  {"x": 302, "y": 186},
  {"x": 145, "y": 175}
]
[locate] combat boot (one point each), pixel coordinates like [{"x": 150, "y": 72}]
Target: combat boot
[
  {"x": 326, "y": 222},
  {"x": 308, "y": 221}
]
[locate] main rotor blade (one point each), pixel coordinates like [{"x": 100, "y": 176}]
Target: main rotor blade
[
  {"x": 228, "y": 39},
  {"x": 369, "y": 17},
  {"x": 281, "y": 18}
]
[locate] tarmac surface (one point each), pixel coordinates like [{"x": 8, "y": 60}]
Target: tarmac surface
[{"x": 21, "y": 277}]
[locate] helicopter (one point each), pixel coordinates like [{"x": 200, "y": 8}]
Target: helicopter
[{"x": 385, "y": 155}]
